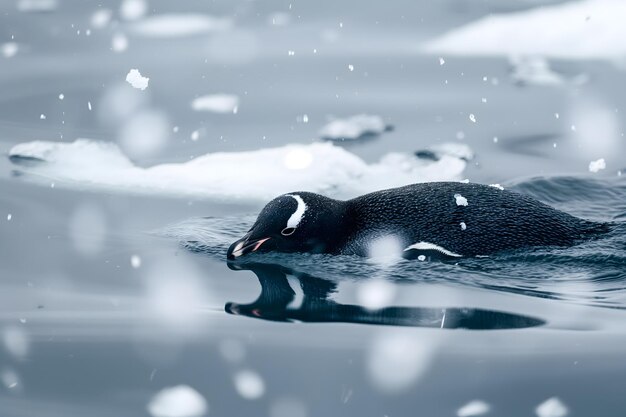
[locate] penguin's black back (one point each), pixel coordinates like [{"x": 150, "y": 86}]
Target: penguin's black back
[{"x": 495, "y": 220}]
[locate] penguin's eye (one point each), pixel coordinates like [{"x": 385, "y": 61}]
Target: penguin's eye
[{"x": 287, "y": 231}]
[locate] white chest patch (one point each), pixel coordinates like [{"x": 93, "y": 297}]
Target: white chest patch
[
  {"x": 297, "y": 215},
  {"x": 432, "y": 246}
]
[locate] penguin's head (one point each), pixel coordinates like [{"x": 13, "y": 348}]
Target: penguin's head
[{"x": 295, "y": 222}]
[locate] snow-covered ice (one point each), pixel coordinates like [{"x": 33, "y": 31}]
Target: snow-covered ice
[
  {"x": 552, "y": 407},
  {"x": 353, "y": 127},
  {"x": 498, "y": 186},
  {"x": 178, "y": 401},
  {"x": 135, "y": 79},
  {"x": 216, "y": 103},
  {"x": 179, "y": 25},
  {"x": 258, "y": 174},
  {"x": 595, "y": 166},
  {"x": 588, "y": 29}
]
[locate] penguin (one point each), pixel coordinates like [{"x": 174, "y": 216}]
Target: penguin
[{"x": 437, "y": 220}]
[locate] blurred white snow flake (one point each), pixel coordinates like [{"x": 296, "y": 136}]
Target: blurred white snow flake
[
  {"x": 135, "y": 79},
  {"x": 552, "y": 407},
  {"x": 9, "y": 49},
  {"x": 473, "y": 408},
  {"x": 216, "y": 103},
  {"x": 595, "y": 166},
  {"x": 375, "y": 294},
  {"x": 133, "y": 9},
  {"x": 178, "y": 401},
  {"x": 249, "y": 384},
  {"x": 353, "y": 127}
]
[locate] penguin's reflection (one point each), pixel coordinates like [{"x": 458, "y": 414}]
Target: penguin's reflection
[{"x": 278, "y": 302}]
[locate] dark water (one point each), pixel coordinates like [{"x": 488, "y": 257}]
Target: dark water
[{"x": 108, "y": 297}]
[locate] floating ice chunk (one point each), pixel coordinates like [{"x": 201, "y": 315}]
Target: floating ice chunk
[
  {"x": 133, "y": 9},
  {"x": 9, "y": 49},
  {"x": 279, "y": 19},
  {"x": 144, "y": 134},
  {"x": 119, "y": 42},
  {"x": 498, "y": 186},
  {"x": 533, "y": 70},
  {"x": 552, "y": 407},
  {"x": 532, "y": 33},
  {"x": 178, "y": 401},
  {"x": 375, "y": 294},
  {"x": 260, "y": 174},
  {"x": 460, "y": 200},
  {"x": 473, "y": 408},
  {"x": 397, "y": 360},
  {"x": 595, "y": 166},
  {"x": 217, "y": 103},
  {"x": 249, "y": 384},
  {"x": 135, "y": 79},
  {"x": 353, "y": 127},
  {"x": 101, "y": 18},
  {"x": 179, "y": 25},
  {"x": 37, "y": 6}
]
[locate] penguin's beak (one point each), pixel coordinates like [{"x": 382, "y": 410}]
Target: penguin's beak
[{"x": 243, "y": 246}]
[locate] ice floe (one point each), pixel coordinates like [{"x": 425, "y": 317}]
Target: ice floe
[
  {"x": 353, "y": 127},
  {"x": 179, "y": 25},
  {"x": 257, "y": 174},
  {"x": 588, "y": 29},
  {"x": 178, "y": 401},
  {"x": 135, "y": 79},
  {"x": 216, "y": 103}
]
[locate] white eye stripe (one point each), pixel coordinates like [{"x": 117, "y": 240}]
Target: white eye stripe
[{"x": 297, "y": 215}]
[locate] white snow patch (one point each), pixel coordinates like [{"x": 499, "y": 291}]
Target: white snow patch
[
  {"x": 216, "y": 103},
  {"x": 473, "y": 408},
  {"x": 498, "y": 186},
  {"x": 460, "y": 200},
  {"x": 133, "y": 9},
  {"x": 178, "y": 401},
  {"x": 595, "y": 166},
  {"x": 353, "y": 127},
  {"x": 259, "y": 174},
  {"x": 552, "y": 407},
  {"x": 37, "y": 6},
  {"x": 9, "y": 49},
  {"x": 179, "y": 25},
  {"x": 589, "y": 29},
  {"x": 249, "y": 384},
  {"x": 135, "y": 79}
]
